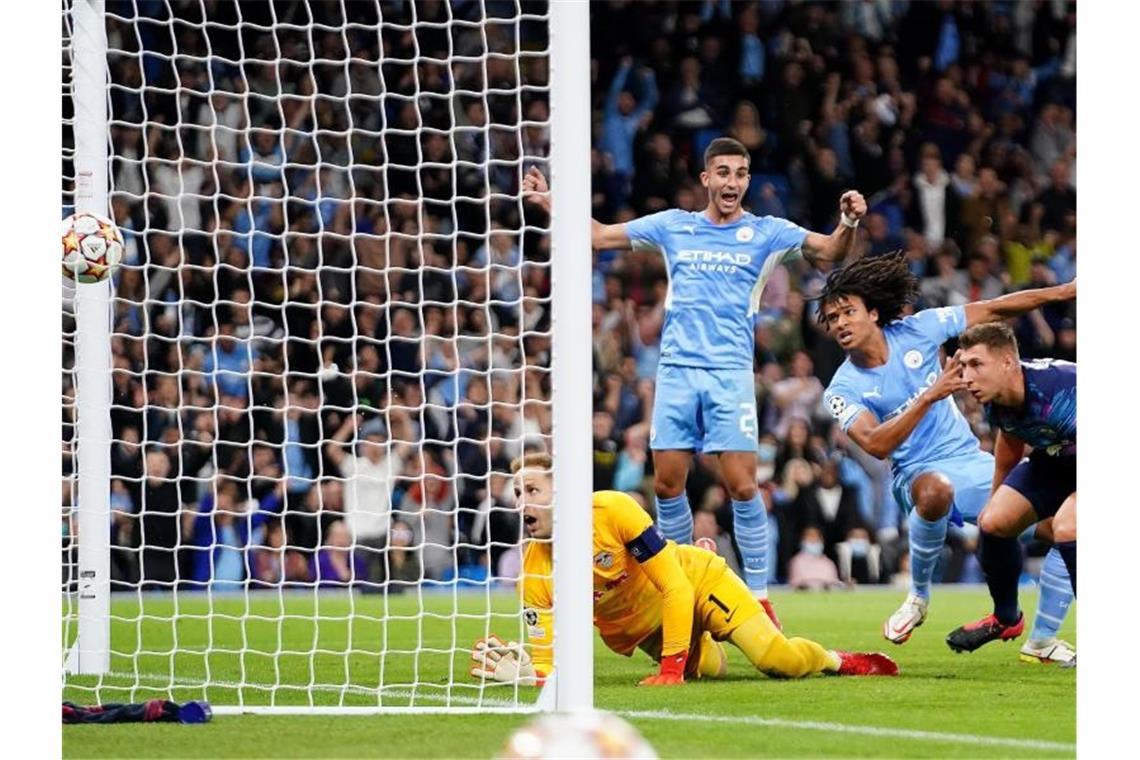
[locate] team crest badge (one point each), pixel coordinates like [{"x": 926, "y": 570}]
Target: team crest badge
[
  {"x": 604, "y": 560},
  {"x": 744, "y": 234},
  {"x": 913, "y": 359},
  {"x": 530, "y": 616}
]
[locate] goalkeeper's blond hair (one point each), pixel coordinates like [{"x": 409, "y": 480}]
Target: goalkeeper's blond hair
[{"x": 538, "y": 460}]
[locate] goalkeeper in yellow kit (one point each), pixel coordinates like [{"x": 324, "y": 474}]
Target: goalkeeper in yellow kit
[{"x": 676, "y": 603}]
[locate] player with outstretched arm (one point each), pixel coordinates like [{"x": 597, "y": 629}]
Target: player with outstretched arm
[
  {"x": 893, "y": 399},
  {"x": 675, "y": 603},
  {"x": 1028, "y": 403},
  {"x": 717, "y": 261}
]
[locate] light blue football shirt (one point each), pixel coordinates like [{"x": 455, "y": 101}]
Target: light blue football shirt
[
  {"x": 716, "y": 275},
  {"x": 889, "y": 390}
]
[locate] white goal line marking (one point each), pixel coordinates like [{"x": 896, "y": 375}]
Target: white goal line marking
[
  {"x": 747, "y": 720},
  {"x": 844, "y": 728}
]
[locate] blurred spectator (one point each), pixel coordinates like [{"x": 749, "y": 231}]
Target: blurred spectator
[
  {"x": 810, "y": 568},
  {"x": 428, "y": 507},
  {"x": 159, "y": 527},
  {"x": 267, "y": 562},
  {"x": 337, "y": 564},
  {"x": 828, "y": 506},
  {"x": 985, "y": 208},
  {"x": 1059, "y": 199},
  {"x": 403, "y": 558},
  {"x": 705, "y": 526},
  {"x": 976, "y": 283},
  {"x": 937, "y": 208},
  {"x": 857, "y": 558},
  {"x": 798, "y": 396},
  {"x": 797, "y": 445},
  {"x": 368, "y": 485},
  {"x": 632, "y": 459},
  {"x": 605, "y": 451},
  {"x": 625, "y": 115}
]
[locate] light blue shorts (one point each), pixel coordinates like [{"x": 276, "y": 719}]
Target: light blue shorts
[
  {"x": 705, "y": 410},
  {"x": 972, "y": 476}
]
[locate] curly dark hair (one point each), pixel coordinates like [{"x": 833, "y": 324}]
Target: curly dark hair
[{"x": 884, "y": 283}]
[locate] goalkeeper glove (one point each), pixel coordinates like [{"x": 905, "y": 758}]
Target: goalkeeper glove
[
  {"x": 672, "y": 671},
  {"x": 492, "y": 659}
]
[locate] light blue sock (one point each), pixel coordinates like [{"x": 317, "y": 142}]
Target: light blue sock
[
  {"x": 1056, "y": 593},
  {"x": 675, "y": 518},
  {"x": 926, "y": 541},
  {"x": 750, "y": 523}
]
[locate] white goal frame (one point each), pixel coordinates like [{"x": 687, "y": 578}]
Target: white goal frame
[{"x": 572, "y": 687}]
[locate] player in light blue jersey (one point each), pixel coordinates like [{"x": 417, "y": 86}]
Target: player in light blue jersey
[
  {"x": 718, "y": 261},
  {"x": 893, "y": 398}
]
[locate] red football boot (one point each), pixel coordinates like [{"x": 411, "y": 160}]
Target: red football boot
[
  {"x": 866, "y": 664},
  {"x": 969, "y": 637}
]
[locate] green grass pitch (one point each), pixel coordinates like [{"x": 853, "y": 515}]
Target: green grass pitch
[{"x": 943, "y": 705}]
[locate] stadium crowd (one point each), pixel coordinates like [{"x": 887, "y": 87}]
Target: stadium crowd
[{"x": 323, "y": 364}]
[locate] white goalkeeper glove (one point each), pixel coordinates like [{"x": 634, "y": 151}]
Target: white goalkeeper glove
[{"x": 493, "y": 659}]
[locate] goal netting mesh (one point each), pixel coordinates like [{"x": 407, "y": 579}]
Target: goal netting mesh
[{"x": 330, "y": 336}]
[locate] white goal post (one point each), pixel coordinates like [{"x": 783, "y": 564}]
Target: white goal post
[{"x": 289, "y": 417}]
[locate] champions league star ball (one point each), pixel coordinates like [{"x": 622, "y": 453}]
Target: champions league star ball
[
  {"x": 593, "y": 734},
  {"x": 92, "y": 247}
]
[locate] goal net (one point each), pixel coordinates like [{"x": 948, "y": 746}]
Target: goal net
[{"x": 330, "y": 335}]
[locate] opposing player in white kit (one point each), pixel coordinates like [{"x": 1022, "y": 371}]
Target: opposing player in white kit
[{"x": 718, "y": 261}]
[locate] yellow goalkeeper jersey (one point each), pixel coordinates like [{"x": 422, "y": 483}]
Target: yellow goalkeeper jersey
[{"x": 642, "y": 583}]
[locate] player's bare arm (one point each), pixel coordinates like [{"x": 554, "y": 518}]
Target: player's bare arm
[
  {"x": 1008, "y": 451},
  {"x": 838, "y": 245},
  {"x": 881, "y": 439},
  {"x": 1016, "y": 304},
  {"x": 536, "y": 191}
]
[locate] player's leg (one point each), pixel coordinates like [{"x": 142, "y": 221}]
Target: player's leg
[
  {"x": 1005, "y": 516},
  {"x": 674, "y": 515},
  {"x": 775, "y": 655},
  {"x": 674, "y": 435},
  {"x": 972, "y": 477},
  {"x": 710, "y": 658},
  {"x": 1034, "y": 490},
  {"x": 1065, "y": 537},
  {"x": 749, "y": 517},
  {"x": 1054, "y": 597},
  {"x": 932, "y": 494},
  {"x": 707, "y": 658},
  {"x": 729, "y": 409},
  {"x": 927, "y": 500},
  {"x": 726, "y": 608}
]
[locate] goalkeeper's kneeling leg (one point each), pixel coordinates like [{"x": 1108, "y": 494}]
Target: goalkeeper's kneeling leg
[
  {"x": 711, "y": 661},
  {"x": 776, "y": 655},
  {"x": 707, "y": 658}
]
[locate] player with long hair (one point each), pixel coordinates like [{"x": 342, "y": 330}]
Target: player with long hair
[{"x": 893, "y": 399}]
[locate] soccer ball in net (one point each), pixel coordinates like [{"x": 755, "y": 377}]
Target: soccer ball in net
[
  {"x": 92, "y": 247},
  {"x": 593, "y": 734}
]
